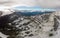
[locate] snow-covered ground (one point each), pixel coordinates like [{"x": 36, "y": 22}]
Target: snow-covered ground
[{"x": 40, "y": 26}]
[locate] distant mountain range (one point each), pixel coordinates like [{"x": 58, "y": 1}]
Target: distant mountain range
[{"x": 28, "y": 13}]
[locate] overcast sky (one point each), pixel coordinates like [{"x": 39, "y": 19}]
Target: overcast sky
[{"x": 41, "y": 3}]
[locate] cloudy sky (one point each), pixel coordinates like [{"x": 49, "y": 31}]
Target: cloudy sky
[{"x": 41, "y": 3}]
